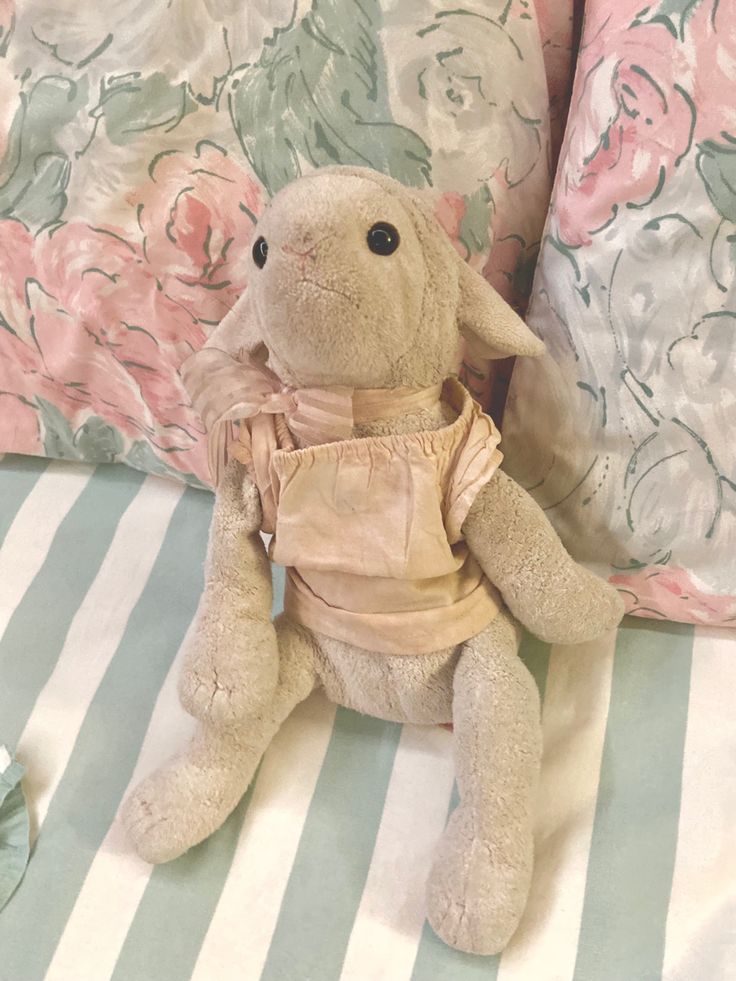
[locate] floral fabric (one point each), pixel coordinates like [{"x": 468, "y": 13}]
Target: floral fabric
[
  {"x": 625, "y": 432},
  {"x": 15, "y": 846},
  {"x": 138, "y": 144}
]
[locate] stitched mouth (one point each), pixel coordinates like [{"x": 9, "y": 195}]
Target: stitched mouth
[{"x": 327, "y": 289}]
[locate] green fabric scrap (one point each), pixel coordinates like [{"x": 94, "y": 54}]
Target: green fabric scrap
[{"x": 15, "y": 846}]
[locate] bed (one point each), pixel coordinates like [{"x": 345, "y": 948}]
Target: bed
[{"x": 319, "y": 873}]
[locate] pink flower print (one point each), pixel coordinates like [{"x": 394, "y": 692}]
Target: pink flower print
[
  {"x": 72, "y": 355},
  {"x": 16, "y": 263},
  {"x": 122, "y": 311},
  {"x": 670, "y": 593},
  {"x": 555, "y": 21},
  {"x": 449, "y": 210},
  {"x": 631, "y": 121},
  {"x": 24, "y": 377},
  {"x": 197, "y": 215},
  {"x": 105, "y": 279},
  {"x": 116, "y": 356},
  {"x": 19, "y": 425},
  {"x": 712, "y": 31}
]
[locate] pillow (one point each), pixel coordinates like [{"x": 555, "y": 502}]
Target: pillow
[
  {"x": 139, "y": 144},
  {"x": 624, "y": 433}
]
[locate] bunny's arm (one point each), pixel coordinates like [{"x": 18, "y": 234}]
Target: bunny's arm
[
  {"x": 231, "y": 664},
  {"x": 555, "y": 598}
]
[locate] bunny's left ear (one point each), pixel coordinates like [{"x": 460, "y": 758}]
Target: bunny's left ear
[
  {"x": 238, "y": 330},
  {"x": 488, "y": 322},
  {"x": 206, "y": 374}
]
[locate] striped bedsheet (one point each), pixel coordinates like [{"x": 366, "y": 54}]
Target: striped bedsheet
[{"x": 319, "y": 873}]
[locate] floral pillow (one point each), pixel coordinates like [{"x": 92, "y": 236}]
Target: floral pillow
[
  {"x": 625, "y": 432},
  {"x": 139, "y": 143}
]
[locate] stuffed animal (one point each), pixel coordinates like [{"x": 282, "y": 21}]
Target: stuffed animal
[{"x": 336, "y": 423}]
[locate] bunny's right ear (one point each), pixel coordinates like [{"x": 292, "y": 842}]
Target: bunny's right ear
[{"x": 488, "y": 322}]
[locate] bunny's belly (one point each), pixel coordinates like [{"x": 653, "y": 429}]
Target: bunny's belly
[{"x": 398, "y": 687}]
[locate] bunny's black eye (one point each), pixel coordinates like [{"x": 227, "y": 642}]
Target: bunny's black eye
[
  {"x": 383, "y": 239},
  {"x": 260, "y": 252}
]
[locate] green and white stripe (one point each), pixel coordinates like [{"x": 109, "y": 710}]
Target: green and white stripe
[{"x": 319, "y": 873}]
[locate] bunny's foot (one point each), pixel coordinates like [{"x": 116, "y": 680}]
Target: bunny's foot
[
  {"x": 477, "y": 890},
  {"x": 191, "y": 796},
  {"x": 480, "y": 879},
  {"x": 185, "y": 801}
]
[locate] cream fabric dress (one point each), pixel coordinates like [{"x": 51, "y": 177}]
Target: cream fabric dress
[{"x": 369, "y": 530}]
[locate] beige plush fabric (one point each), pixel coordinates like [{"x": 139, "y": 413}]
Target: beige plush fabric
[{"x": 328, "y": 311}]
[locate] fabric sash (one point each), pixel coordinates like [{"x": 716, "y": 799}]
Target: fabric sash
[{"x": 226, "y": 391}]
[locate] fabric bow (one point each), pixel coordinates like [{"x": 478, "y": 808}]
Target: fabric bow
[{"x": 225, "y": 390}]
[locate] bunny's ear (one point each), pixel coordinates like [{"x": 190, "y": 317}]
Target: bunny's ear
[
  {"x": 488, "y": 322},
  {"x": 238, "y": 330},
  {"x": 206, "y": 373},
  {"x": 213, "y": 378}
]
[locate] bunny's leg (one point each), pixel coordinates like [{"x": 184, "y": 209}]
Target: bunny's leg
[
  {"x": 190, "y": 797},
  {"x": 480, "y": 879}
]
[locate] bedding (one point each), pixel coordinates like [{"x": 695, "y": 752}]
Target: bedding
[
  {"x": 625, "y": 432},
  {"x": 14, "y": 826},
  {"x": 138, "y": 146},
  {"x": 100, "y": 576},
  {"x": 139, "y": 143}
]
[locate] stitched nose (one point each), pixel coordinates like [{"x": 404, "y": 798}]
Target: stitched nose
[
  {"x": 301, "y": 254},
  {"x": 303, "y": 244}
]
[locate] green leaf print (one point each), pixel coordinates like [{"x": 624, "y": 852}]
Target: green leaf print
[
  {"x": 58, "y": 438},
  {"x": 14, "y": 826},
  {"x": 131, "y": 105},
  {"x": 97, "y": 440},
  {"x": 35, "y": 170},
  {"x": 476, "y": 222},
  {"x": 6, "y": 32},
  {"x": 672, "y": 14},
  {"x": 142, "y": 457},
  {"x": 661, "y": 465},
  {"x": 717, "y": 166},
  {"x": 318, "y": 96},
  {"x": 524, "y": 274}
]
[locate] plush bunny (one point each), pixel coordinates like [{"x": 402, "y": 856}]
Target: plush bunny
[{"x": 335, "y": 422}]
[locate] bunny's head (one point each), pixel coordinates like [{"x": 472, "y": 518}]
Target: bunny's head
[{"x": 353, "y": 282}]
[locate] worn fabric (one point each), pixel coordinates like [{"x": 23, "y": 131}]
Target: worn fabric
[
  {"x": 370, "y": 532},
  {"x": 635, "y": 853},
  {"x": 226, "y": 391}
]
